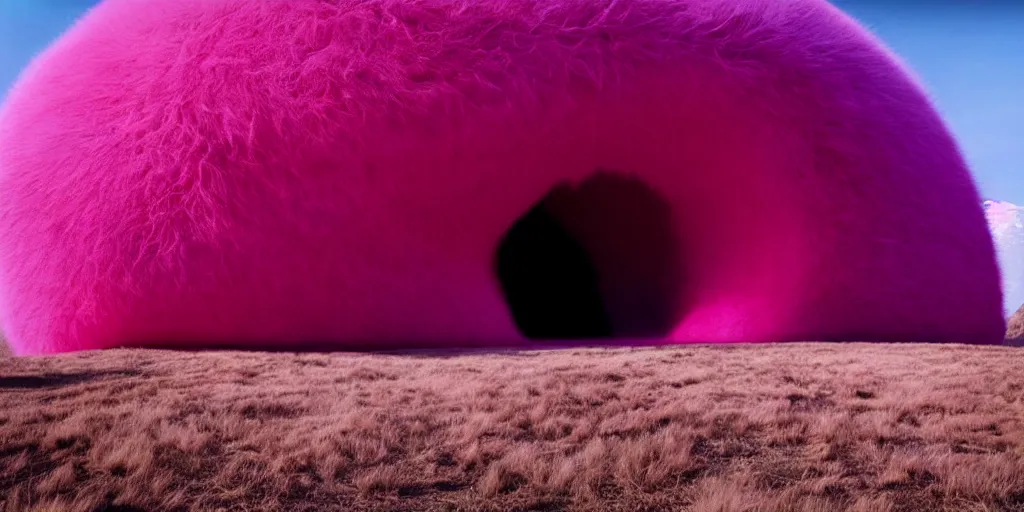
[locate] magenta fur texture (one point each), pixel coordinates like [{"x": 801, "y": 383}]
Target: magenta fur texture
[{"x": 276, "y": 173}]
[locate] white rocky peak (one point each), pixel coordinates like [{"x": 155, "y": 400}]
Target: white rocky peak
[{"x": 1006, "y": 222}]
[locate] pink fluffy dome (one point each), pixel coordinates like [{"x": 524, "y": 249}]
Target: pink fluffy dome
[{"x": 355, "y": 174}]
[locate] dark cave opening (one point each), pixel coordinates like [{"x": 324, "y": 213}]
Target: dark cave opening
[
  {"x": 594, "y": 261},
  {"x": 549, "y": 280}
]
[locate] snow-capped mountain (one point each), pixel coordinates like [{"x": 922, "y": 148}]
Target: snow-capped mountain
[{"x": 1006, "y": 222}]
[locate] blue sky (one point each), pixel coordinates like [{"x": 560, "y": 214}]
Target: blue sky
[{"x": 971, "y": 58}]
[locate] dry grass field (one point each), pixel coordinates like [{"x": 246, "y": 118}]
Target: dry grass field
[{"x": 817, "y": 427}]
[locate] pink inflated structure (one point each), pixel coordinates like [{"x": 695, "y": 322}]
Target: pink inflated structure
[{"x": 346, "y": 174}]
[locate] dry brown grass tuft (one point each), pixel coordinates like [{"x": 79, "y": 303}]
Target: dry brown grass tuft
[
  {"x": 707, "y": 428},
  {"x": 1015, "y": 332}
]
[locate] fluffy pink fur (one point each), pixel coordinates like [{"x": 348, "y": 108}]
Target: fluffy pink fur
[{"x": 281, "y": 172}]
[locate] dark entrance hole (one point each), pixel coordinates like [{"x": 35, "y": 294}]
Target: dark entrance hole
[{"x": 596, "y": 261}]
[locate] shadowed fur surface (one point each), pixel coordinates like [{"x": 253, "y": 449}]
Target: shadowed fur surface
[{"x": 287, "y": 173}]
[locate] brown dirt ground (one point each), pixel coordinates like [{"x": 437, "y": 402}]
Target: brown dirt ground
[{"x": 817, "y": 427}]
